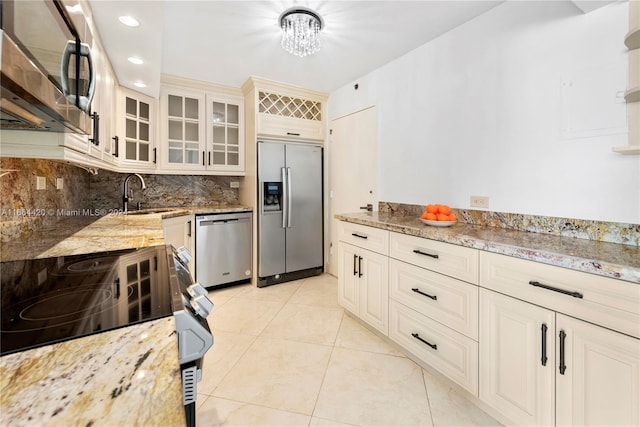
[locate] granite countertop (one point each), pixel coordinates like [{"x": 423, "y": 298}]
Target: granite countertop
[
  {"x": 101, "y": 232},
  {"x": 605, "y": 259},
  {"x": 128, "y": 376}
]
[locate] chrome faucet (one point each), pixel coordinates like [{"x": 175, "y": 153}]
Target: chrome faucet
[{"x": 125, "y": 196}]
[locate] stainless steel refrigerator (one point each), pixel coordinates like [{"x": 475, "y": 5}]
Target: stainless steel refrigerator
[{"x": 290, "y": 227}]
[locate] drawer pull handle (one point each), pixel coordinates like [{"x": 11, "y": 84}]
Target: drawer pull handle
[
  {"x": 418, "y": 291},
  {"x": 358, "y": 235},
  {"x": 419, "y": 252},
  {"x": 551, "y": 288},
  {"x": 360, "y": 266},
  {"x": 433, "y": 346},
  {"x": 562, "y": 366},
  {"x": 544, "y": 345},
  {"x": 355, "y": 260}
]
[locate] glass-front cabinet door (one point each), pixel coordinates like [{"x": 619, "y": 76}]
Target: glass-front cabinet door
[
  {"x": 183, "y": 135},
  {"x": 135, "y": 143},
  {"x": 225, "y": 148}
]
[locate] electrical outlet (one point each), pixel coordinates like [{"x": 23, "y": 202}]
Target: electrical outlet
[
  {"x": 41, "y": 183},
  {"x": 235, "y": 184},
  {"x": 59, "y": 183},
  {"x": 479, "y": 202}
]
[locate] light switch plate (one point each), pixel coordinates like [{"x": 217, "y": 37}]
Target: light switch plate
[
  {"x": 59, "y": 183},
  {"x": 235, "y": 184}
]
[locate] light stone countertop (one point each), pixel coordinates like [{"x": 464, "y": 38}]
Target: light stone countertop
[
  {"x": 128, "y": 376},
  {"x": 75, "y": 235},
  {"x": 601, "y": 258}
]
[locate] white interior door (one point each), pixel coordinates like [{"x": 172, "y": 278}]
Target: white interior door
[{"x": 353, "y": 170}]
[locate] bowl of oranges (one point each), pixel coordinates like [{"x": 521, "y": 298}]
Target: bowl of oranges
[{"x": 438, "y": 216}]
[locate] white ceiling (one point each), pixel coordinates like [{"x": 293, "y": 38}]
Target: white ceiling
[{"x": 227, "y": 41}]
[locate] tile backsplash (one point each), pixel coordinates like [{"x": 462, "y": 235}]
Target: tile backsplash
[{"x": 25, "y": 209}]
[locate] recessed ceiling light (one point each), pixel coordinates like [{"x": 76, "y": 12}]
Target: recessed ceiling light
[
  {"x": 129, "y": 21},
  {"x": 135, "y": 60},
  {"x": 139, "y": 84}
]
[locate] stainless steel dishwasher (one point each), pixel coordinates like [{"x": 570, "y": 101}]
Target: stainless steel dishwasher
[{"x": 223, "y": 248}]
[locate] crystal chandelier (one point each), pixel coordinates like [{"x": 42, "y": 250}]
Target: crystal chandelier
[{"x": 300, "y": 31}]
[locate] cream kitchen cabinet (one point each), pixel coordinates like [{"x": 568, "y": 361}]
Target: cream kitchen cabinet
[
  {"x": 598, "y": 375},
  {"x": 363, "y": 275},
  {"x": 225, "y": 133},
  {"x": 542, "y": 368},
  {"x": 201, "y": 128},
  {"x": 517, "y": 359},
  {"x": 182, "y": 130},
  {"x": 563, "y": 357},
  {"x": 433, "y": 307},
  {"x": 180, "y": 231},
  {"x": 134, "y": 146},
  {"x": 285, "y": 112},
  {"x": 289, "y": 117}
]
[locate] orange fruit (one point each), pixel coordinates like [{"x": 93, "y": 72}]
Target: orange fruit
[
  {"x": 444, "y": 209},
  {"x": 424, "y": 215},
  {"x": 432, "y": 209},
  {"x": 443, "y": 217},
  {"x": 453, "y": 217},
  {"x": 431, "y": 217}
]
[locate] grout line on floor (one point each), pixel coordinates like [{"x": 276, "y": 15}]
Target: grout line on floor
[{"x": 324, "y": 376}]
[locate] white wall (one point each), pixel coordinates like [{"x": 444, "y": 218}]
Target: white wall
[{"x": 481, "y": 111}]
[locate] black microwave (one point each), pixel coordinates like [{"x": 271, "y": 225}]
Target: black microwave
[{"x": 47, "y": 73}]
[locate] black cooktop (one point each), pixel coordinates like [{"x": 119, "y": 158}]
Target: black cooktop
[{"x": 54, "y": 299}]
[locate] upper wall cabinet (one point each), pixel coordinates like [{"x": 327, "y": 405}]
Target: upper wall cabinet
[
  {"x": 182, "y": 143},
  {"x": 201, "y": 128},
  {"x": 135, "y": 144},
  {"x": 225, "y": 134},
  {"x": 286, "y": 112}
]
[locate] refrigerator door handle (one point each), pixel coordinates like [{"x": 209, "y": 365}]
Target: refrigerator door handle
[
  {"x": 285, "y": 197},
  {"x": 289, "y": 197}
]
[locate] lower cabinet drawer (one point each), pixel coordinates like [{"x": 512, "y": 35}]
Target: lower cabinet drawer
[
  {"x": 453, "y": 260},
  {"x": 450, "y": 301},
  {"x": 371, "y": 238},
  {"x": 614, "y": 304},
  {"x": 451, "y": 353}
]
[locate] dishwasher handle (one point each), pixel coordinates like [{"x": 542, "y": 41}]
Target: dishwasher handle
[{"x": 221, "y": 221}]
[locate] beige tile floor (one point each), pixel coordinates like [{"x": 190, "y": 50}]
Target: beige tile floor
[{"x": 288, "y": 355}]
